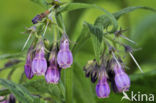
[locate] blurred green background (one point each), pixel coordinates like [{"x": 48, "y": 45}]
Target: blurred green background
[{"x": 15, "y": 15}]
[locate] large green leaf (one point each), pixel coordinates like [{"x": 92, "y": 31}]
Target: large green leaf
[
  {"x": 82, "y": 38},
  {"x": 145, "y": 34},
  {"x": 130, "y": 9},
  {"x": 39, "y": 86},
  {"x": 8, "y": 56},
  {"x": 75, "y": 6},
  {"x": 103, "y": 21},
  {"x": 97, "y": 36},
  {"x": 19, "y": 92},
  {"x": 82, "y": 86}
]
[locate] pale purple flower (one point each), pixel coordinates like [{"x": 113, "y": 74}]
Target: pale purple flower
[
  {"x": 64, "y": 57},
  {"x": 102, "y": 88},
  {"x": 52, "y": 75},
  {"x": 39, "y": 64},
  {"x": 121, "y": 79}
]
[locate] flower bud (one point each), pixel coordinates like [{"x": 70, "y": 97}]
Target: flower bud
[
  {"x": 12, "y": 99},
  {"x": 52, "y": 75},
  {"x": 122, "y": 80},
  {"x": 64, "y": 57},
  {"x": 36, "y": 19},
  {"x": 102, "y": 88},
  {"x": 39, "y": 64}
]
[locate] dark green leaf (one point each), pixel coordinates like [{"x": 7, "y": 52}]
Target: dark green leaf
[
  {"x": 130, "y": 9},
  {"x": 4, "y": 92},
  {"x": 142, "y": 75},
  {"x": 19, "y": 91},
  {"x": 8, "y": 56},
  {"x": 39, "y": 86},
  {"x": 75, "y": 6},
  {"x": 83, "y": 37},
  {"x": 97, "y": 36},
  {"x": 82, "y": 86},
  {"x": 104, "y": 21}
]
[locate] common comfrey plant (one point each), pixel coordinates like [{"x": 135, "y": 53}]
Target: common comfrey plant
[{"x": 51, "y": 65}]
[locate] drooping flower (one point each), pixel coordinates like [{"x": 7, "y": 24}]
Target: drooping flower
[
  {"x": 64, "y": 57},
  {"x": 28, "y": 71},
  {"x": 102, "y": 87},
  {"x": 91, "y": 70},
  {"x": 39, "y": 64},
  {"x": 52, "y": 75},
  {"x": 28, "y": 68},
  {"x": 121, "y": 79},
  {"x": 12, "y": 99}
]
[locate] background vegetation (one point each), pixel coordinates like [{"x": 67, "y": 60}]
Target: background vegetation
[{"x": 15, "y": 15}]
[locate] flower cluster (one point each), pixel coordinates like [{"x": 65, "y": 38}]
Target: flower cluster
[
  {"x": 43, "y": 59},
  {"x": 39, "y": 63},
  {"x": 110, "y": 68},
  {"x": 107, "y": 70}
]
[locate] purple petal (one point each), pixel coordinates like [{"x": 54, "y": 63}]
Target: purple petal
[
  {"x": 39, "y": 66},
  {"x": 122, "y": 82},
  {"x": 52, "y": 75},
  {"x": 102, "y": 90},
  {"x": 65, "y": 58},
  {"x": 28, "y": 71}
]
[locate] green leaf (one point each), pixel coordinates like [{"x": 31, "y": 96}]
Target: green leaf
[
  {"x": 8, "y": 56},
  {"x": 145, "y": 34},
  {"x": 19, "y": 91},
  {"x": 104, "y": 21},
  {"x": 75, "y": 6},
  {"x": 82, "y": 86},
  {"x": 130, "y": 9},
  {"x": 135, "y": 77},
  {"x": 83, "y": 37},
  {"x": 39, "y": 86},
  {"x": 4, "y": 92},
  {"x": 97, "y": 36}
]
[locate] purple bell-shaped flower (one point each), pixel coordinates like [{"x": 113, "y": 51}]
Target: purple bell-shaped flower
[
  {"x": 121, "y": 79},
  {"x": 39, "y": 64},
  {"x": 28, "y": 69},
  {"x": 52, "y": 75},
  {"x": 64, "y": 57},
  {"x": 102, "y": 87}
]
